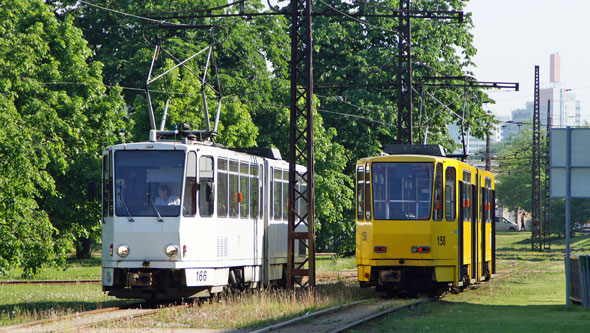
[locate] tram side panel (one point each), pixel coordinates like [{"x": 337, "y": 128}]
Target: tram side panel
[
  {"x": 445, "y": 235},
  {"x": 276, "y": 219}
]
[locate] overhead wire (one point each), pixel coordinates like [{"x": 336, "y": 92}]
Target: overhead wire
[
  {"x": 130, "y": 15},
  {"x": 363, "y": 22},
  {"x": 368, "y": 119},
  {"x": 373, "y": 27}
]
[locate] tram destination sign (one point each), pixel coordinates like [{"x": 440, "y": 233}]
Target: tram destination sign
[{"x": 570, "y": 151}]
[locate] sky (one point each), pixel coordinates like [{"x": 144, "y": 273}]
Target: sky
[{"x": 512, "y": 36}]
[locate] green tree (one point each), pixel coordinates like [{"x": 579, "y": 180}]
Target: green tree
[
  {"x": 513, "y": 188},
  {"x": 252, "y": 57},
  {"x": 242, "y": 48},
  {"x": 58, "y": 115},
  {"x": 356, "y": 70},
  {"x": 333, "y": 193}
]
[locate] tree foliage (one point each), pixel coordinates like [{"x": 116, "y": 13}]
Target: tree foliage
[
  {"x": 252, "y": 67},
  {"x": 356, "y": 72},
  {"x": 514, "y": 190},
  {"x": 57, "y": 116},
  {"x": 57, "y": 55}
]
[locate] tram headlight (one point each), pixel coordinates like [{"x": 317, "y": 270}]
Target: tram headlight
[
  {"x": 123, "y": 250},
  {"x": 171, "y": 250}
]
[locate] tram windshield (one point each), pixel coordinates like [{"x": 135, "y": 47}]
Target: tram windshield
[
  {"x": 402, "y": 191},
  {"x": 148, "y": 183}
]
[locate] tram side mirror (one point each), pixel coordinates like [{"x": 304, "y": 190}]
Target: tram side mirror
[{"x": 90, "y": 190}]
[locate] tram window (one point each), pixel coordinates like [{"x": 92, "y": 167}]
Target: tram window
[
  {"x": 222, "y": 188},
  {"x": 243, "y": 196},
  {"x": 402, "y": 190},
  {"x": 190, "y": 187},
  {"x": 438, "y": 193},
  {"x": 146, "y": 179},
  {"x": 271, "y": 194},
  {"x": 105, "y": 186},
  {"x": 489, "y": 204},
  {"x": 303, "y": 201},
  {"x": 206, "y": 195},
  {"x": 110, "y": 187},
  {"x": 482, "y": 203},
  {"x": 285, "y": 198},
  {"x": 253, "y": 190},
  {"x": 277, "y": 194},
  {"x": 492, "y": 206},
  {"x": 466, "y": 204},
  {"x": 360, "y": 193},
  {"x": 234, "y": 189},
  {"x": 450, "y": 195},
  {"x": 261, "y": 193},
  {"x": 367, "y": 192}
]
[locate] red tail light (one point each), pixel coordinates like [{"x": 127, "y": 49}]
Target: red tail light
[
  {"x": 111, "y": 250},
  {"x": 420, "y": 249},
  {"x": 380, "y": 249}
]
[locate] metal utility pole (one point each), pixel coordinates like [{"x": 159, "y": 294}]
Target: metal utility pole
[
  {"x": 537, "y": 226},
  {"x": 465, "y": 82},
  {"x": 488, "y": 152},
  {"x": 301, "y": 146},
  {"x": 547, "y": 208},
  {"x": 404, "y": 75},
  {"x": 301, "y": 185}
]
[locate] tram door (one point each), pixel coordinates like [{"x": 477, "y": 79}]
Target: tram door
[
  {"x": 483, "y": 218},
  {"x": 461, "y": 241},
  {"x": 493, "y": 221},
  {"x": 474, "y": 231},
  {"x": 487, "y": 226}
]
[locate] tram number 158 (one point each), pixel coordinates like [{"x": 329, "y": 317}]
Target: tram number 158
[{"x": 441, "y": 240}]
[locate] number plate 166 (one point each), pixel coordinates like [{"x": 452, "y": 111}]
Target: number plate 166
[{"x": 198, "y": 277}]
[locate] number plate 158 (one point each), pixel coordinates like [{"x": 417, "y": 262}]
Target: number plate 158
[{"x": 198, "y": 276}]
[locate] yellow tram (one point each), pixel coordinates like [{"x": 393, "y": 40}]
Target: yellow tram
[{"x": 424, "y": 221}]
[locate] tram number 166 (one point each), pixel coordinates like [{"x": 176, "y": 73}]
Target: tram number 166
[
  {"x": 441, "y": 240},
  {"x": 199, "y": 276}
]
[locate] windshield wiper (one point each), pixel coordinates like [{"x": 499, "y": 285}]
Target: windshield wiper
[
  {"x": 149, "y": 196},
  {"x": 129, "y": 217}
]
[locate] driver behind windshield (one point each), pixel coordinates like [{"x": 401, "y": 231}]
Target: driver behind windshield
[{"x": 164, "y": 198}]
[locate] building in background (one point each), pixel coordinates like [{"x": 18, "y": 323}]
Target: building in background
[{"x": 566, "y": 110}]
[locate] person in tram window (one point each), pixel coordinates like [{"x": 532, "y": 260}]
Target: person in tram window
[{"x": 164, "y": 198}]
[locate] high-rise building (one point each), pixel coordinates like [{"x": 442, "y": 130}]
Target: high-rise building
[
  {"x": 566, "y": 110},
  {"x": 555, "y": 67}
]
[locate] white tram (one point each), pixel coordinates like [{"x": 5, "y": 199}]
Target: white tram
[{"x": 188, "y": 218}]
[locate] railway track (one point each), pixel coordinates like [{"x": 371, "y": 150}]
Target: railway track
[
  {"x": 341, "y": 318},
  {"x": 83, "y": 320},
  {"x": 347, "y": 275},
  {"x": 57, "y": 282}
]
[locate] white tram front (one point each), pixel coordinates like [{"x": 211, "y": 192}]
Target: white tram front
[{"x": 188, "y": 218}]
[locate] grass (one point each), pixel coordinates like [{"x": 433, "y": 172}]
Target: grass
[
  {"x": 527, "y": 295},
  {"x": 89, "y": 269},
  {"x": 253, "y": 309},
  {"x": 327, "y": 264},
  {"x": 20, "y": 303}
]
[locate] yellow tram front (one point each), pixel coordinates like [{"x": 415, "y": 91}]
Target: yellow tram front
[{"x": 423, "y": 222}]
